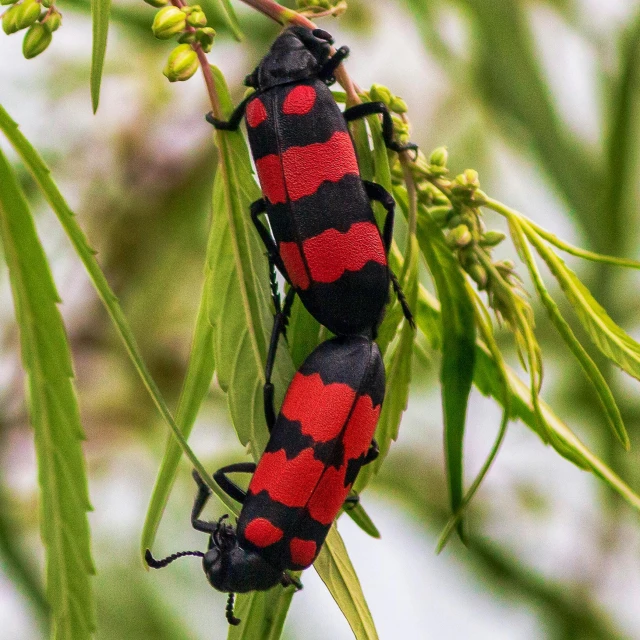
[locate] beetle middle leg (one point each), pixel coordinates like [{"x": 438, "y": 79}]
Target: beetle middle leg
[
  {"x": 230, "y": 487},
  {"x": 380, "y": 108},
  {"x": 233, "y": 123}
]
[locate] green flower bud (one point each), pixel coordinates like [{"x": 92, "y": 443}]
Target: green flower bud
[
  {"x": 157, "y": 3},
  {"x": 440, "y": 214},
  {"x": 168, "y": 22},
  {"x": 36, "y": 40},
  {"x": 205, "y": 38},
  {"x": 197, "y": 18},
  {"x": 28, "y": 11},
  {"x": 492, "y": 238},
  {"x": 380, "y": 93},
  {"x": 479, "y": 275},
  {"x": 9, "y": 25},
  {"x": 455, "y": 221},
  {"x": 52, "y": 21},
  {"x": 6, "y": 2},
  {"x": 439, "y": 157},
  {"x": 182, "y": 63},
  {"x": 472, "y": 178},
  {"x": 187, "y": 37},
  {"x": 46, "y": 3},
  {"x": 398, "y": 105},
  {"x": 460, "y": 236}
]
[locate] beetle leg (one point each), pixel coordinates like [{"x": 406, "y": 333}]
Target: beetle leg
[
  {"x": 234, "y": 121},
  {"x": 257, "y": 209},
  {"x": 401, "y": 299},
  {"x": 290, "y": 581},
  {"x": 279, "y": 326},
  {"x": 370, "y": 108},
  {"x": 373, "y": 453},
  {"x": 381, "y": 195},
  {"x": 326, "y": 73},
  {"x": 230, "y": 487},
  {"x": 202, "y": 497}
]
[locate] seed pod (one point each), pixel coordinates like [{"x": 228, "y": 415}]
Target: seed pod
[
  {"x": 168, "y": 22},
  {"x": 439, "y": 157},
  {"x": 36, "y": 40},
  {"x": 460, "y": 236},
  {"x": 28, "y": 11},
  {"x": 182, "y": 63}
]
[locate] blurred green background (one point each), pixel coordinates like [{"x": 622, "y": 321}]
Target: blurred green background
[{"x": 542, "y": 99}]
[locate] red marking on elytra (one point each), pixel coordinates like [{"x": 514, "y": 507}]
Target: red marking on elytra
[
  {"x": 289, "y": 482},
  {"x": 262, "y": 533},
  {"x": 296, "y": 269},
  {"x": 306, "y": 168},
  {"x": 299, "y": 100},
  {"x": 302, "y": 551},
  {"x": 256, "y": 113},
  {"x": 271, "y": 178},
  {"x": 331, "y": 253},
  {"x": 362, "y": 425},
  {"x": 321, "y": 409},
  {"x": 329, "y": 495}
]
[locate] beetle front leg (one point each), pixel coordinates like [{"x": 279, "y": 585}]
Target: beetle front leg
[
  {"x": 234, "y": 121},
  {"x": 202, "y": 497},
  {"x": 380, "y": 108},
  {"x": 326, "y": 73}
]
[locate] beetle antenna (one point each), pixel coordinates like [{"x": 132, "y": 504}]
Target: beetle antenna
[
  {"x": 160, "y": 564},
  {"x": 231, "y": 619}
]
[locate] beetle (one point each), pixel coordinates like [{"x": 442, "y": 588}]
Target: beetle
[
  {"x": 317, "y": 445},
  {"x": 323, "y": 235}
]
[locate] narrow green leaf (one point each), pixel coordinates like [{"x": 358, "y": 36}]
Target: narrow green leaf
[
  {"x": 605, "y": 333},
  {"x": 263, "y": 614},
  {"x": 458, "y": 354},
  {"x": 336, "y": 571},
  {"x": 100, "y": 11},
  {"x": 487, "y": 380},
  {"x": 363, "y": 520},
  {"x": 595, "y": 377},
  {"x": 66, "y": 217},
  {"x": 196, "y": 384},
  {"x": 240, "y": 308},
  {"x": 231, "y": 19},
  {"x": 53, "y": 406}
]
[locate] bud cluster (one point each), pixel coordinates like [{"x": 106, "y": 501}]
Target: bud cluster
[
  {"x": 39, "y": 17},
  {"x": 189, "y": 25},
  {"x": 398, "y": 108},
  {"x": 323, "y": 7}
]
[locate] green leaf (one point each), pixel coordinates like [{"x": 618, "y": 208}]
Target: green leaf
[
  {"x": 86, "y": 254},
  {"x": 303, "y": 333},
  {"x": 487, "y": 379},
  {"x": 55, "y": 418},
  {"x": 196, "y": 384},
  {"x": 336, "y": 571},
  {"x": 595, "y": 377},
  {"x": 362, "y": 519},
  {"x": 458, "y": 353},
  {"x": 263, "y": 614},
  {"x": 100, "y": 10},
  {"x": 240, "y": 308},
  {"x": 605, "y": 333},
  {"x": 231, "y": 19}
]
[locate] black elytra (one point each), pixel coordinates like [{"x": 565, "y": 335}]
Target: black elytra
[{"x": 322, "y": 234}]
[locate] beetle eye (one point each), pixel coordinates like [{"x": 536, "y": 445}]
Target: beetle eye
[{"x": 321, "y": 34}]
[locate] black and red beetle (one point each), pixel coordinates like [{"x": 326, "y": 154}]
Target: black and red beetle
[
  {"x": 320, "y": 440},
  {"x": 325, "y": 241}
]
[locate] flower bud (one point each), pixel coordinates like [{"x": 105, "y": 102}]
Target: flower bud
[
  {"x": 439, "y": 157},
  {"x": 52, "y": 21},
  {"x": 197, "y": 18},
  {"x": 157, "y": 3},
  {"x": 9, "y": 20},
  {"x": 36, "y": 40},
  {"x": 205, "y": 37},
  {"x": 168, "y": 22},
  {"x": 472, "y": 178},
  {"x": 479, "y": 275},
  {"x": 492, "y": 238},
  {"x": 6, "y": 2},
  {"x": 28, "y": 11},
  {"x": 46, "y": 3},
  {"x": 440, "y": 214},
  {"x": 398, "y": 105},
  {"x": 182, "y": 63},
  {"x": 460, "y": 236},
  {"x": 187, "y": 37},
  {"x": 380, "y": 93}
]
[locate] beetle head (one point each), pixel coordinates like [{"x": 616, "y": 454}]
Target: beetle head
[{"x": 297, "y": 54}]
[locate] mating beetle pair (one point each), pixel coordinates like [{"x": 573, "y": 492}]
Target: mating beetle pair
[{"x": 328, "y": 247}]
